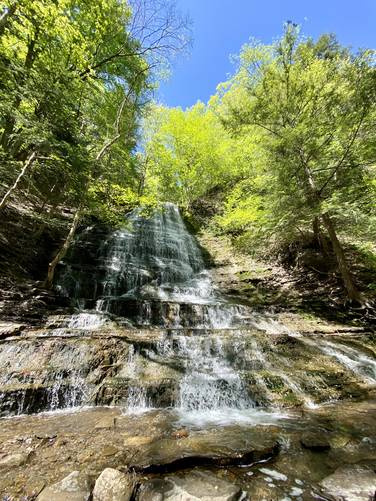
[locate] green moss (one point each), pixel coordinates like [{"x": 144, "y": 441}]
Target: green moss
[
  {"x": 273, "y": 383},
  {"x": 291, "y": 399},
  {"x": 255, "y": 273}
]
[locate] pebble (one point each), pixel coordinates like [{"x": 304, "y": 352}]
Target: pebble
[
  {"x": 295, "y": 492},
  {"x": 274, "y": 474}
]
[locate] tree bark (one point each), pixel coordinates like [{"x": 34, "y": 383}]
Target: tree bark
[
  {"x": 62, "y": 252},
  {"x": 29, "y": 162},
  {"x": 316, "y": 230},
  {"x": 320, "y": 239},
  {"x": 352, "y": 292}
]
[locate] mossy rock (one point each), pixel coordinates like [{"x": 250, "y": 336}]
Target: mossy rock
[
  {"x": 274, "y": 383},
  {"x": 292, "y": 400}
]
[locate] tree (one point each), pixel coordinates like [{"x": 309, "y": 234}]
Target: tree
[
  {"x": 188, "y": 153},
  {"x": 74, "y": 78},
  {"x": 315, "y": 103}
]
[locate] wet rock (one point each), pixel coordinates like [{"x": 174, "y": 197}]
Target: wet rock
[
  {"x": 74, "y": 487},
  {"x": 112, "y": 485},
  {"x": 12, "y": 460},
  {"x": 274, "y": 474},
  {"x": 284, "y": 339},
  {"x": 110, "y": 450},
  {"x": 33, "y": 487},
  {"x": 10, "y": 329},
  {"x": 351, "y": 483},
  {"x": 45, "y": 436},
  {"x": 195, "y": 486},
  {"x": 183, "y": 433},
  {"x": 60, "y": 442},
  {"x": 217, "y": 448},
  {"x": 138, "y": 441},
  {"x": 315, "y": 441},
  {"x": 107, "y": 422}
]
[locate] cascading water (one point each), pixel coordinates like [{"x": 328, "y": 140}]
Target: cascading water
[
  {"x": 152, "y": 274},
  {"x": 359, "y": 363},
  {"x": 209, "y": 382},
  {"x": 210, "y": 386}
]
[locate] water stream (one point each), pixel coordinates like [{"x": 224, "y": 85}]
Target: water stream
[{"x": 182, "y": 344}]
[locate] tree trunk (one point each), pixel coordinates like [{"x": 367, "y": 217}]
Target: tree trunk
[
  {"x": 316, "y": 231},
  {"x": 318, "y": 236},
  {"x": 352, "y": 292},
  {"x": 62, "y": 252},
  {"x": 29, "y": 162}
]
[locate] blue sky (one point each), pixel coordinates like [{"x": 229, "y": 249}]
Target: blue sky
[{"x": 221, "y": 27}]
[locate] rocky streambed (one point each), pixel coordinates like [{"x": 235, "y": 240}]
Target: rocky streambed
[
  {"x": 163, "y": 411},
  {"x": 147, "y": 382},
  {"x": 304, "y": 454}
]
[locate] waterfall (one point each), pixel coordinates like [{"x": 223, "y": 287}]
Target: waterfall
[
  {"x": 151, "y": 276},
  {"x": 351, "y": 358},
  {"x": 152, "y": 331},
  {"x": 210, "y": 382},
  {"x": 153, "y": 272}
]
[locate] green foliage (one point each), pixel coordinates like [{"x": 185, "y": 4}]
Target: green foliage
[
  {"x": 290, "y": 141},
  {"x": 316, "y": 104},
  {"x": 187, "y": 153},
  {"x": 110, "y": 202},
  {"x": 72, "y": 81}
]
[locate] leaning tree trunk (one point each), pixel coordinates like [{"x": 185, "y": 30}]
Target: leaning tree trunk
[
  {"x": 102, "y": 152},
  {"x": 352, "y": 292},
  {"x": 62, "y": 252},
  {"x": 29, "y": 162},
  {"x": 318, "y": 236}
]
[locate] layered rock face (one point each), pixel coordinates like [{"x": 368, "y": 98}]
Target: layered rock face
[
  {"x": 152, "y": 331},
  {"x": 172, "y": 391}
]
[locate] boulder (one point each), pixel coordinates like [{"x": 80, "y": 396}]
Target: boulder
[
  {"x": 216, "y": 448},
  {"x": 74, "y": 487},
  {"x": 113, "y": 485},
  {"x": 315, "y": 441},
  {"x": 12, "y": 460},
  {"x": 194, "y": 486},
  {"x": 351, "y": 483}
]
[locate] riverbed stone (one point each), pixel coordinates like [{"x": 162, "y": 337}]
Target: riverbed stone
[
  {"x": 315, "y": 441},
  {"x": 214, "y": 448},
  {"x": 113, "y": 485},
  {"x": 106, "y": 423},
  {"x": 351, "y": 483},
  {"x": 75, "y": 487},
  {"x": 138, "y": 441},
  {"x": 8, "y": 329},
  {"x": 12, "y": 460},
  {"x": 194, "y": 486}
]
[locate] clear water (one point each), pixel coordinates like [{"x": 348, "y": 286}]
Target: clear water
[{"x": 356, "y": 361}]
